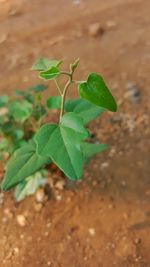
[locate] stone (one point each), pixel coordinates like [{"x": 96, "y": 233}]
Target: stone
[
  {"x": 104, "y": 165},
  {"x": 92, "y": 231},
  {"x": 40, "y": 195},
  {"x": 60, "y": 185},
  {"x": 95, "y": 29},
  {"x": 133, "y": 93},
  {"x": 21, "y": 220}
]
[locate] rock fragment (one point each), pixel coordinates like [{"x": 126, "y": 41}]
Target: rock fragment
[
  {"x": 95, "y": 29},
  {"x": 21, "y": 220}
]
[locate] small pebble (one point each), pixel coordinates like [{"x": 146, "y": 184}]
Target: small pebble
[
  {"x": 22, "y": 236},
  {"x": 21, "y": 220},
  {"x": 60, "y": 185},
  {"x": 48, "y": 225},
  {"x": 58, "y": 197},
  {"x": 104, "y": 165},
  {"x": 8, "y": 213},
  {"x": 92, "y": 231},
  {"x": 133, "y": 92},
  {"x": 40, "y": 195},
  {"x": 16, "y": 250},
  {"x": 46, "y": 233},
  {"x": 95, "y": 30},
  {"x": 112, "y": 152}
]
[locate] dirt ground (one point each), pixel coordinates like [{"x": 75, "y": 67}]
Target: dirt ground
[{"x": 104, "y": 220}]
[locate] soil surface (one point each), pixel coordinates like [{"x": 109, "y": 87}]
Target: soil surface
[{"x": 104, "y": 220}]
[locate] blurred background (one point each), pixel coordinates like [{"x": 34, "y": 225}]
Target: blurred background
[{"x": 110, "y": 37}]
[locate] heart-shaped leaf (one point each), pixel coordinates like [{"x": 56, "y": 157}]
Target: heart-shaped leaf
[
  {"x": 86, "y": 110},
  {"x": 96, "y": 91},
  {"x": 53, "y": 102},
  {"x": 43, "y": 64},
  {"x": 62, "y": 144},
  {"x": 50, "y": 74},
  {"x": 24, "y": 162}
]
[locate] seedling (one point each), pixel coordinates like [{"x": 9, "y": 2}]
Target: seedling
[
  {"x": 20, "y": 117},
  {"x": 65, "y": 143}
]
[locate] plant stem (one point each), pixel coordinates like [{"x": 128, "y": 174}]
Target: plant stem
[
  {"x": 58, "y": 87},
  {"x": 66, "y": 73},
  {"x": 63, "y": 96}
]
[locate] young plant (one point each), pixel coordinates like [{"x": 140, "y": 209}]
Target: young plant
[
  {"x": 20, "y": 117},
  {"x": 64, "y": 143}
]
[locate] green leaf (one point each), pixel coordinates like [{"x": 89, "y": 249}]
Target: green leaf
[
  {"x": 24, "y": 162},
  {"x": 50, "y": 74},
  {"x": 3, "y": 100},
  {"x": 43, "y": 64},
  {"x": 96, "y": 91},
  {"x": 62, "y": 144},
  {"x": 20, "y": 111},
  {"x": 90, "y": 149},
  {"x": 74, "y": 65},
  {"x": 53, "y": 102},
  {"x": 38, "y": 88},
  {"x": 26, "y": 95},
  {"x": 86, "y": 110},
  {"x": 29, "y": 186}
]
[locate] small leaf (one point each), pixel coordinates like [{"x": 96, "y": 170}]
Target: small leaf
[
  {"x": 29, "y": 186},
  {"x": 62, "y": 144},
  {"x": 86, "y": 110},
  {"x": 96, "y": 92},
  {"x": 53, "y": 102},
  {"x": 26, "y": 95},
  {"x": 74, "y": 65},
  {"x": 50, "y": 74},
  {"x": 90, "y": 149},
  {"x": 20, "y": 111},
  {"x": 24, "y": 162},
  {"x": 38, "y": 88},
  {"x": 43, "y": 64}
]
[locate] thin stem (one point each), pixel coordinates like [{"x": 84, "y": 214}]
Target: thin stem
[
  {"x": 66, "y": 73},
  {"x": 78, "y": 82},
  {"x": 64, "y": 95},
  {"x": 58, "y": 87}
]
